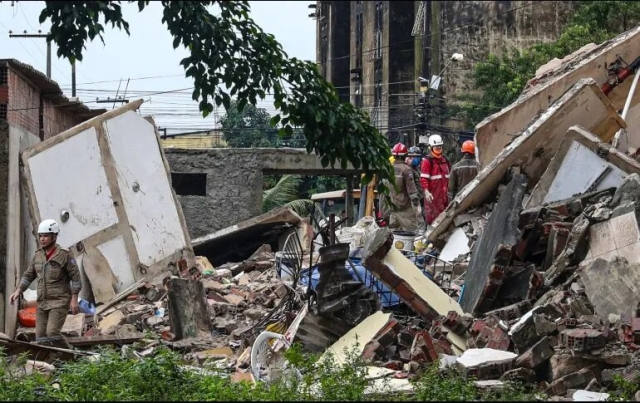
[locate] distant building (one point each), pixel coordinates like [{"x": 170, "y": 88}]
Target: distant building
[
  {"x": 200, "y": 139},
  {"x": 374, "y": 52}
]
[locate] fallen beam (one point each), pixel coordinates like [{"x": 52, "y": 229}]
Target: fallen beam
[
  {"x": 104, "y": 339},
  {"x": 534, "y": 147},
  {"x": 397, "y": 272}
]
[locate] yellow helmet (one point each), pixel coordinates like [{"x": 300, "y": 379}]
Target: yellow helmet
[{"x": 392, "y": 159}]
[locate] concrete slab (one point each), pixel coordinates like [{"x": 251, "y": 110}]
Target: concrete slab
[
  {"x": 535, "y": 146},
  {"x": 247, "y": 235},
  {"x": 357, "y": 338},
  {"x": 494, "y": 248},
  {"x": 457, "y": 244},
  {"x": 581, "y": 172},
  {"x": 611, "y": 287},
  {"x": 475, "y": 357},
  {"x": 589, "y": 396},
  {"x": 618, "y": 237},
  {"x": 496, "y": 132},
  {"x": 106, "y": 198}
]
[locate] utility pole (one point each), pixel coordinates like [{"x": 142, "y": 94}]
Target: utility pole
[
  {"x": 38, "y": 35},
  {"x": 73, "y": 79},
  {"x": 435, "y": 59}
]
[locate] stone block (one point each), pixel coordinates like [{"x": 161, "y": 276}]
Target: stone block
[{"x": 536, "y": 355}]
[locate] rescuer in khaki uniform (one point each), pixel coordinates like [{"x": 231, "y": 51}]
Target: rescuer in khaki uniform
[
  {"x": 59, "y": 284},
  {"x": 406, "y": 212},
  {"x": 464, "y": 171}
]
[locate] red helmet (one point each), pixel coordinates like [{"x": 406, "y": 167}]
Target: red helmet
[{"x": 399, "y": 149}]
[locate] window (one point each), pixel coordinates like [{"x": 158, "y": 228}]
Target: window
[
  {"x": 3, "y": 111},
  {"x": 4, "y": 76},
  {"x": 189, "y": 184},
  {"x": 378, "y": 15}
]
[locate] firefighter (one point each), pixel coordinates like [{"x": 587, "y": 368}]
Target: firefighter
[
  {"x": 59, "y": 284},
  {"x": 434, "y": 178},
  {"x": 406, "y": 211},
  {"x": 464, "y": 171}
]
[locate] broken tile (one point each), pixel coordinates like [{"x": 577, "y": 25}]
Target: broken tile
[
  {"x": 110, "y": 323},
  {"x": 73, "y": 325}
]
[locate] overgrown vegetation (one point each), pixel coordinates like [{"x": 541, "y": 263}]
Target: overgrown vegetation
[
  {"x": 501, "y": 79},
  {"x": 116, "y": 376}
]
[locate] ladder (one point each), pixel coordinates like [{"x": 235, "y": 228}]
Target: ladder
[{"x": 418, "y": 25}]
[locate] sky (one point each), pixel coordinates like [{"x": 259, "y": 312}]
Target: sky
[{"x": 146, "y": 58}]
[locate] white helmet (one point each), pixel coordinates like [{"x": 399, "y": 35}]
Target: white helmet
[
  {"x": 435, "y": 140},
  {"x": 48, "y": 227}
]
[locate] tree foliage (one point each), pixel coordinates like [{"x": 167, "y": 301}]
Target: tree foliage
[
  {"x": 501, "y": 79},
  {"x": 230, "y": 50},
  {"x": 248, "y": 128}
]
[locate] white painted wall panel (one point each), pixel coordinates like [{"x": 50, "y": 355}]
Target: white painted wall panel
[
  {"x": 152, "y": 213},
  {"x": 70, "y": 176},
  {"x": 115, "y": 251},
  {"x": 578, "y": 172}
]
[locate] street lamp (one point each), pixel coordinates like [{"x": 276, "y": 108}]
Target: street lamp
[{"x": 434, "y": 84}]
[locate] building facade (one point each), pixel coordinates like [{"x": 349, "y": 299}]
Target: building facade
[
  {"x": 32, "y": 108},
  {"x": 389, "y": 46}
]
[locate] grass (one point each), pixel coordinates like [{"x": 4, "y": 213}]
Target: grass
[{"x": 163, "y": 377}]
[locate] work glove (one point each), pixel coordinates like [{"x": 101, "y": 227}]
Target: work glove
[{"x": 428, "y": 197}]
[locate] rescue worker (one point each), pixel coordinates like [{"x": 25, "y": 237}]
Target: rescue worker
[
  {"x": 406, "y": 211},
  {"x": 59, "y": 284},
  {"x": 415, "y": 156},
  {"x": 434, "y": 178},
  {"x": 464, "y": 170}
]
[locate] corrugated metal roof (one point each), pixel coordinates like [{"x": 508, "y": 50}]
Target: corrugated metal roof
[{"x": 50, "y": 89}]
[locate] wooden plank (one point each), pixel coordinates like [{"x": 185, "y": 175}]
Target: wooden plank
[
  {"x": 100, "y": 339},
  {"x": 118, "y": 298},
  {"x": 99, "y": 274}
]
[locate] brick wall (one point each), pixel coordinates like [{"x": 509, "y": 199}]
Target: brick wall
[
  {"x": 21, "y": 99},
  {"x": 23, "y": 103},
  {"x": 57, "y": 120}
]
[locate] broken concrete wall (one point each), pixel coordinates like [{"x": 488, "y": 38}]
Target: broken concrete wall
[
  {"x": 582, "y": 163},
  {"x": 117, "y": 212},
  {"x": 18, "y": 241},
  {"x": 534, "y": 147},
  {"x": 225, "y": 185},
  {"x": 492, "y": 252},
  {"x": 495, "y": 132}
]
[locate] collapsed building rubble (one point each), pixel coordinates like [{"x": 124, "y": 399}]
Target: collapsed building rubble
[{"x": 532, "y": 274}]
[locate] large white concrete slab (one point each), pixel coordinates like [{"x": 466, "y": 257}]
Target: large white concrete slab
[{"x": 110, "y": 175}]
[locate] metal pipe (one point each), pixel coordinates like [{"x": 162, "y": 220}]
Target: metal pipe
[
  {"x": 632, "y": 91},
  {"x": 625, "y": 110}
]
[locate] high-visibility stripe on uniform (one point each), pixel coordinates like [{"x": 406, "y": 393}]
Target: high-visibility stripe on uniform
[{"x": 425, "y": 176}]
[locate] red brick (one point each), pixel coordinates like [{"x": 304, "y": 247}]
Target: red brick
[
  {"x": 424, "y": 310},
  {"x": 387, "y": 276},
  {"x": 405, "y": 292}
]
